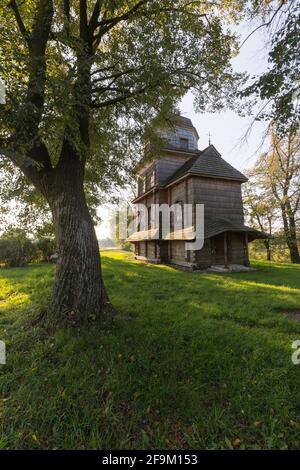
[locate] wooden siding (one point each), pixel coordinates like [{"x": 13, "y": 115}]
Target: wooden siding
[
  {"x": 213, "y": 250},
  {"x": 151, "y": 250},
  {"x": 178, "y": 251},
  {"x": 222, "y": 198},
  {"x": 167, "y": 165},
  {"x": 147, "y": 179},
  {"x": 203, "y": 257},
  {"x": 236, "y": 248},
  {"x": 181, "y": 192},
  {"x": 142, "y": 248},
  {"x": 172, "y": 137}
]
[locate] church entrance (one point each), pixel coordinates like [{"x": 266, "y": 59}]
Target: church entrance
[
  {"x": 217, "y": 249},
  {"x": 221, "y": 249},
  {"x": 163, "y": 248}
]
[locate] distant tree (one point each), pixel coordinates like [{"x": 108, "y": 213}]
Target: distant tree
[
  {"x": 16, "y": 249},
  {"x": 279, "y": 86},
  {"x": 261, "y": 211},
  {"x": 45, "y": 230},
  {"x": 107, "y": 243},
  {"x": 25, "y": 207},
  {"x": 277, "y": 173},
  {"x": 46, "y": 247},
  {"x": 83, "y": 78}
]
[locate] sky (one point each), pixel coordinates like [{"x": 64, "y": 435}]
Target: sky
[{"x": 226, "y": 128}]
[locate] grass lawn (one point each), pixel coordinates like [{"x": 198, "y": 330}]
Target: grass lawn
[{"x": 189, "y": 361}]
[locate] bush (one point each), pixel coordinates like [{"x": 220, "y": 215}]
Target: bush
[
  {"x": 279, "y": 249},
  {"x": 16, "y": 249},
  {"x": 127, "y": 246},
  {"x": 46, "y": 247}
]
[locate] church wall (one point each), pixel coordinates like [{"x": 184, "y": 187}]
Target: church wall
[
  {"x": 177, "y": 251},
  {"x": 222, "y": 198},
  {"x": 237, "y": 248},
  {"x": 151, "y": 250},
  {"x": 142, "y": 249},
  {"x": 173, "y": 136},
  {"x": 203, "y": 256},
  {"x": 168, "y": 164}
]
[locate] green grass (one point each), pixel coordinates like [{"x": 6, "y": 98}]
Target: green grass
[{"x": 190, "y": 360}]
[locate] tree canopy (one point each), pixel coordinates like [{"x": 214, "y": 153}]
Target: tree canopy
[
  {"x": 140, "y": 56},
  {"x": 277, "y": 90},
  {"x": 84, "y": 81},
  {"x": 276, "y": 177}
]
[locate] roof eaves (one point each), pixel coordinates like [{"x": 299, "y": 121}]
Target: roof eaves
[
  {"x": 142, "y": 196},
  {"x": 202, "y": 175},
  {"x": 174, "y": 149}
]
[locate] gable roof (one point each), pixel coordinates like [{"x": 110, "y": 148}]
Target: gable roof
[{"x": 207, "y": 162}]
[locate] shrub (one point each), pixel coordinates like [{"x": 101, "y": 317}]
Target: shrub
[
  {"x": 46, "y": 247},
  {"x": 127, "y": 246},
  {"x": 16, "y": 249}
]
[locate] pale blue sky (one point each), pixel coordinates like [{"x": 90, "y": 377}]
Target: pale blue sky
[{"x": 227, "y": 129}]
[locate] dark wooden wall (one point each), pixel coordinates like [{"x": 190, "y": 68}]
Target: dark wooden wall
[
  {"x": 237, "y": 248},
  {"x": 167, "y": 165},
  {"x": 222, "y": 198}
]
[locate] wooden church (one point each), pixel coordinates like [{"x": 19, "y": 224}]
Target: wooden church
[{"x": 182, "y": 174}]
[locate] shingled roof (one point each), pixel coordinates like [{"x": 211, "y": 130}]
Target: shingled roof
[
  {"x": 212, "y": 227},
  {"x": 207, "y": 162},
  {"x": 215, "y": 226},
  {"x": 181, "y": 121},
  {"x": 178, "y": 119}
]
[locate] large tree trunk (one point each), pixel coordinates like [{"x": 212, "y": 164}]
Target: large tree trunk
[
  {"x": 291, "y": 235},
  {"x": 79, "y": 294},
  {"x": 294, "y": 251},
  {"x": 268, "y": 249}
]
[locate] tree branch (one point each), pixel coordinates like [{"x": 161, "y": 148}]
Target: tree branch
[
  {"x": 125, "y": 96},
  {"x": 14, "y": 6},
  {"x": 125, "y": 16},
  {"x": 119, "y": 99},
  {"x": 93, "y": 23},
  {"x": 67, "y": 9},
  {"x": 105, "y": 69},
  {"x": 67, "y": 16},
  {"x": 106, "y": 24},
  {"x": 26, "y": 135},
  {"x": 84, "y": 33},
  {"x": 35, "y": 165},
  {"x": 267, "y": 23},
  {"x": 37, "y": 61},
  {"x": 115, "y": 76}
]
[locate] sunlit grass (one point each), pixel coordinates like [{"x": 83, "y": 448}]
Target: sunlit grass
[{"x": 190, "y": 360}]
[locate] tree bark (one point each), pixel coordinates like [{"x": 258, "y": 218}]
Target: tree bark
[
  {"x": 268, "y": 249},
  {"x": 291, "y": 235},
  {"x": 293, "y": 247},
  {"x": 79, "y": 294},
  {"x": 294, "y": 251}
]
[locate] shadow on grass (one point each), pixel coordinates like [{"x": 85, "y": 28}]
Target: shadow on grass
[{"x": 190, "y": 361}]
